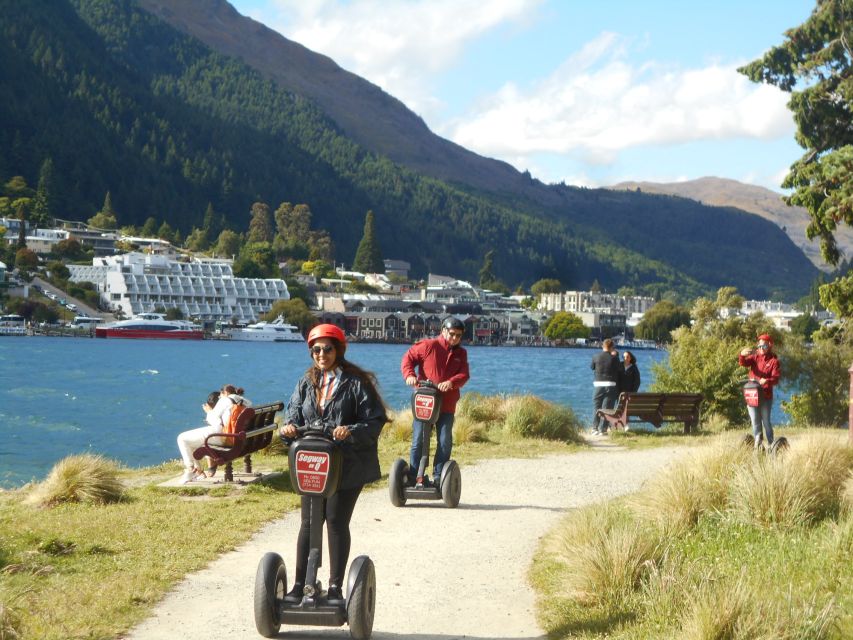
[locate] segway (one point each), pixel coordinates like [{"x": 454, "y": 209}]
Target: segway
[
  {"x": 753, "y": 397},
  {"x": 426, "y": 406},
  {"x": 315, "y": 471}
]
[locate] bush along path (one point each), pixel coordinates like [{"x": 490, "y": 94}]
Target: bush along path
[{"x": 441, "y": 573}]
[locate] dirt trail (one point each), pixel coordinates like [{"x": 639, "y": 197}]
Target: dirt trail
[{"x": 441, "y": 573}]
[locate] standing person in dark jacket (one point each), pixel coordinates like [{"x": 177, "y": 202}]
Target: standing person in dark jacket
[
  {"x": 342, "y": 394},
  {"x": 630, "y": 380},
  {"x": 763, "y": 368},
  {"x": 607, "y": 367},
  {"x": 443, "y": 361}
]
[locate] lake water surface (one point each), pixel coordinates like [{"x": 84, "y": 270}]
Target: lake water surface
[{"x": 128, "y": 399}]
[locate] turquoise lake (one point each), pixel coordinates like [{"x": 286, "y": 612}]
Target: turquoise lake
[{"x": 128, "y": 399}]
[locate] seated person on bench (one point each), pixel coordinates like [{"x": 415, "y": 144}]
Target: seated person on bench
[{"x": 216, "y": 418}]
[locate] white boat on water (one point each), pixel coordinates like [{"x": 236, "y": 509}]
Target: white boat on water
[
  {"x": 276, "y": 331},
  {"x": 13, "y": 325}
]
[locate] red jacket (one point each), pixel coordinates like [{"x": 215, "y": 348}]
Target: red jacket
[
  {"x": 437, "y": 361},
  {"x": 762, "y": 366}
]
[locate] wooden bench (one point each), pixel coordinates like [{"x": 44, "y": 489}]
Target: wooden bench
[
  {"x": 654, "y": 408},
  {"x": 257, "y": 436}
]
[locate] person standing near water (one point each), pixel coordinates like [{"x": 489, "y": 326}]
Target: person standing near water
[
  {"x": 607, "y": 367},
  {"x": 764, "y": 368}
]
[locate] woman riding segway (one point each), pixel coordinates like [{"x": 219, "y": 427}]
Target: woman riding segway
[
  {"x": 764, "y": 371},
  {"x": 335, "y": 401}
]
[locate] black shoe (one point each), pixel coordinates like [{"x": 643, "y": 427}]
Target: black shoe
[
  {"x": 334, "y": 595},
  {"x": 295, "y": 594}
]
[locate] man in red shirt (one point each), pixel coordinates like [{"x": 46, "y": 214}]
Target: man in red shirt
[
  {"x": 763, "y": 368},
  {"x": 443, "y": 361}
]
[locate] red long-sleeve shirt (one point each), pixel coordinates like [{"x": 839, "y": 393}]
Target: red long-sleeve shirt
[
  {"x": 437, "y": 361},
  {"x": 762, "y": 366}
]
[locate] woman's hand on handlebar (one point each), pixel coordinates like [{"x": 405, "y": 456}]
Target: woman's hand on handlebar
[
  {"x": 288, "y": 431},
  {"x": 341, "y": 433}
]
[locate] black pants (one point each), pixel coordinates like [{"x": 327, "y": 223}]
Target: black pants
[{"x": 337, "y": 512}]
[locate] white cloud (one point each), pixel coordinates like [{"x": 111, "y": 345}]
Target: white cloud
[
  {"x": 597, "y": 104},
  {"x": 400, "y": 46}
]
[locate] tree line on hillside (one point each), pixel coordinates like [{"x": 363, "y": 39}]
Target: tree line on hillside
[{"x": 117, "y": 101}]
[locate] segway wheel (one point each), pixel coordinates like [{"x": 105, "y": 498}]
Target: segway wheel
[
  {"x": 361, "y": 603},
  {"x": 451, "y": 484},
  {"x": 748, "y": 441},
  {"x": 397, "y": 482},
  {"x": 270, "y": 585},
  {"x": 779, "y": 445}
]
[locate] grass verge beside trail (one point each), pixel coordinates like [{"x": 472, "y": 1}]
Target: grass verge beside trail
[
  {"x": 725, "y": 545},
  {"x": 93, "y": 568}
]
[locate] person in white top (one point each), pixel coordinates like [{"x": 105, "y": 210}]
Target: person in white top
[{"x": 217, "y": 410}]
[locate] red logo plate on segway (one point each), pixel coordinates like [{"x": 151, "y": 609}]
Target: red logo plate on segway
[
  {"x": 312, "y": 471},
  {"x": 423, "y": 406}
]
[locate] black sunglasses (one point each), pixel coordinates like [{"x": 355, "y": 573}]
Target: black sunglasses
[
  {"x": 317, "y": 349},
  {"x": 454, "y": 334}
]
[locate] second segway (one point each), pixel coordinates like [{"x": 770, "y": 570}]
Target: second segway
[
  {"x": 753, "y": 397},
  {"x": 426, "y": 407},
  {"x": 315, "y": 471}
]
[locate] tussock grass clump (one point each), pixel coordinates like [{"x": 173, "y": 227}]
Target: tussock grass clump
[
  {"x": 847, "y": 495},
  {"x": 824, "y": 464},
  {"x": 479, "y": 408},
  {"x": 82, "y": 478},
  {"x": 9, "y": 623},
  {"x": 605, "y": 554},
  {"x": 675, "y": 499},
  {"x": 530, "y": 417},
  {"x": 722, "y": 611},
  {"x": 399, "y": 427},
  {"x": 466, "y": 430},
  {"x": 769, "y": 492},
  {"x": 717, "y": 423}
]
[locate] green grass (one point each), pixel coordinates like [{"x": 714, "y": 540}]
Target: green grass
[
  {"x": 91, "y": 566},
  {"x": 725, "y": 545}
]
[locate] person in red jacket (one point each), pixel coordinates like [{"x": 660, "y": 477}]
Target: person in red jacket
[
  {"x": 763, "y": 368},
  {"x": 443, "y": 361}
]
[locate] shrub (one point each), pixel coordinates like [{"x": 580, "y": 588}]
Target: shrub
[
  {"x": 559, "y": 423},
  {"x": 79, "y": 478},
  {"x": 606, "y": 554}
]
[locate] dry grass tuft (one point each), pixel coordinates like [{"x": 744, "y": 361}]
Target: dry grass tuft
[
  {"x": 722, "y": 611},
  {"x": 530, "y": 417},
  {"x": 823, "y": 463},
  {"x": 605, "y": 554},
  {"x": 770, "y": 492},
  {"x": 80, "y": 478},
  {"x": 399, "y": 427},
  {"x": 466, "y": 430},
  {"x": 675, "y": 499},
  {"x": 479, "y": 408}
]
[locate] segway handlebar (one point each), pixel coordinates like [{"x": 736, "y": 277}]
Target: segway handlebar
[{"x": 317, "y": 427}]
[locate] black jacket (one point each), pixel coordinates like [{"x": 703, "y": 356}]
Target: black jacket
[
  {"x": 351, "y": 406},
  {"x": 606, "y": 367},
  {"x": 630, "y": 379}
]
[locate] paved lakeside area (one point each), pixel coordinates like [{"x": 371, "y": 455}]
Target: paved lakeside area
[{"x": 441, "y": 573}]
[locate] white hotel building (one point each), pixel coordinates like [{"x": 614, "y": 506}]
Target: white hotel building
[{"x": 203, "y": 289}]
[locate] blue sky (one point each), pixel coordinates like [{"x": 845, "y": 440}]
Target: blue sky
[{"x": 589, "y": 93}]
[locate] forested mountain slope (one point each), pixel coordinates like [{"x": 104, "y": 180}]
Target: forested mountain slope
[{"x": 123, "y": 102}]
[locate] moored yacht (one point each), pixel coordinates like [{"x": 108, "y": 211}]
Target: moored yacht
[
  {"x": 276, "y": 331},
  {"x": 151, "y": 325}
]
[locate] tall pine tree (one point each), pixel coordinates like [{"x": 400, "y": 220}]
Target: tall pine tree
[{"x": 368, "y": 256}]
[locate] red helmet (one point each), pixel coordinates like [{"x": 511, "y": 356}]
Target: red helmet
[{"x": 326, "y": 331}]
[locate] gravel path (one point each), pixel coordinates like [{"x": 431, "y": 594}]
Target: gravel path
[{"x": 467, "y": 579}]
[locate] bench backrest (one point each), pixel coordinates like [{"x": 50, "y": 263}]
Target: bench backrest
[
  {"x": 264, "y": 419},
  {"x": 643, "y": 404},
  {"x": 680, "y": 404}
]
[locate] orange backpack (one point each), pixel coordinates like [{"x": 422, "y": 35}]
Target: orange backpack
[{"x": 239, "y": 419}]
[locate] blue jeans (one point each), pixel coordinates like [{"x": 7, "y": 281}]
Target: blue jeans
[
  {"x": 444, "y": 435},
  {"x": 602, "y": 398},
  {"x": 759, "y": 416}
]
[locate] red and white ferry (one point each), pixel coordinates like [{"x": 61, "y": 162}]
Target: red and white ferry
[{"x": 151, "y": 325}]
